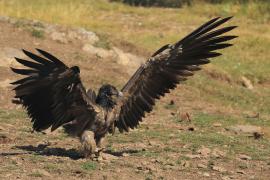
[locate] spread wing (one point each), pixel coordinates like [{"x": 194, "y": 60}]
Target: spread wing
[
  {"x": 52, "y": 93},
  {"x": 169, "y": 66}
]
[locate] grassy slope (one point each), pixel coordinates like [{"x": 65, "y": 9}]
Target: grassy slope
[{"x": 149, "y": 28}]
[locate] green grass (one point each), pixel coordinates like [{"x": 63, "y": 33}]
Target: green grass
[
  {"x": 89, "y": 166},
  {"x": 10, "y": 117},
  {"x": 148, "y": 153},
  {"x": 35, "y": 158},
  {"x": 231, "y": 95},
  {"x": 205, "y": 120},
  {"x": 51, "y": 167},
  {"x": 36, "y": 174},
  {"x": 37, "y": 33}
]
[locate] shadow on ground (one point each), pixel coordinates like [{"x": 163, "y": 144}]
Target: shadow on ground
[
  {"x": 44, "y": 150},
  {"x": 122, "y": 152}
]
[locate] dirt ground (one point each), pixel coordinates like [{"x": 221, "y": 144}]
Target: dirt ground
[{"x": 166, "y": 146}]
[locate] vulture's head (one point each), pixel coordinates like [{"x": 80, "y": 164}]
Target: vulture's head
[{"x": 108, "y": 96}]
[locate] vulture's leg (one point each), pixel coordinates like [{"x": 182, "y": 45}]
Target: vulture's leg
[
  {"x": 99, "y": 143},
  {"x": 88, "y": 144}
]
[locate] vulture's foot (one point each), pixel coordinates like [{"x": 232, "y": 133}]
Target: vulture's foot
[
  {"x": 88, "y": 144},
  {"x": 100, "y": 148}
]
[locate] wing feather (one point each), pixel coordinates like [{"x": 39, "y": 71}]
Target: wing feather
[
  {"x": 169, "y": 66},
  {"x": 52, "y": 93}
]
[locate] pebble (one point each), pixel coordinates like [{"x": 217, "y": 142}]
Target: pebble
[
  {"x": 244, "y": 157},
  {"x": 204, "y": 151},
  {"x": 219, "y": 169},
  {"x": 240, "y": 172},
  {"x": 201, "y": 166},
  {"x": 217, "y": 124}
]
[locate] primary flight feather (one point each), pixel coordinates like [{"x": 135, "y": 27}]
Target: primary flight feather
[{"x": 54, "y": 95}]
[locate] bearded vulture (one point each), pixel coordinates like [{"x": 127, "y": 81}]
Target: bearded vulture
[{"x": 54, "y": 96}]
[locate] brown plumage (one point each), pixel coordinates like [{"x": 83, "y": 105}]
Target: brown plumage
[{"x": 54, "y": 96}]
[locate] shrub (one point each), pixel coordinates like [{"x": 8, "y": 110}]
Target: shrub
[
  {"x": 161, "y": 3},
  {"x": 180, "y": 3}
]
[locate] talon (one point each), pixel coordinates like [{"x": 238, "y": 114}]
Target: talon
[{"x": 99, "y": 151}]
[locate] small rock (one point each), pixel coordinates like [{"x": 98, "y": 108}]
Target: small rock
[
  {"x": 170, "y": 163},
  {"x": 154, "y": 160},
  {"x": 244, "y": 157},
  {"x": 225, "y": 178},
  {"x": 185, "y": 164},
  {"x": 125, "y": 154},
  {"x": 185, "y": 117},
  {"x": 246, "y": 83},
  {"x": 186, "y": 146},
  {"x": 118, "y": 170},
  {"x": 204, "y": 151},
  {"x": 219, "y": 169},
  {"x": 129, "y": 60},
  {"x": 109, "y": 157},
  {"x": 217, "y": 124},
  {"x": 192, "y": 156},
  {"x": 5, "y": 83},
  {"x": 82, "y": 34},
  {"x": 103, "y": 53},
  {"x": 249, "y": 130},
  {"x": 167, "y": 167},
  {"x": 153, "y": 143},
  {"x": 7, "y": 55},
  {"x": 181, "y": 128},
  {"x": 253, "y": 115},
  {"x": 240, "y": 172},
  {"x": 44, "y": 173},
  {"x": 7, "y": 175},
  {"x": 59, "y": 37},
  {"x": 100, "y": 159},
  {"x": 201, "y": 166},
  {"x": 217, "y": 153},
  {"x": 205, "y": 174}
]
